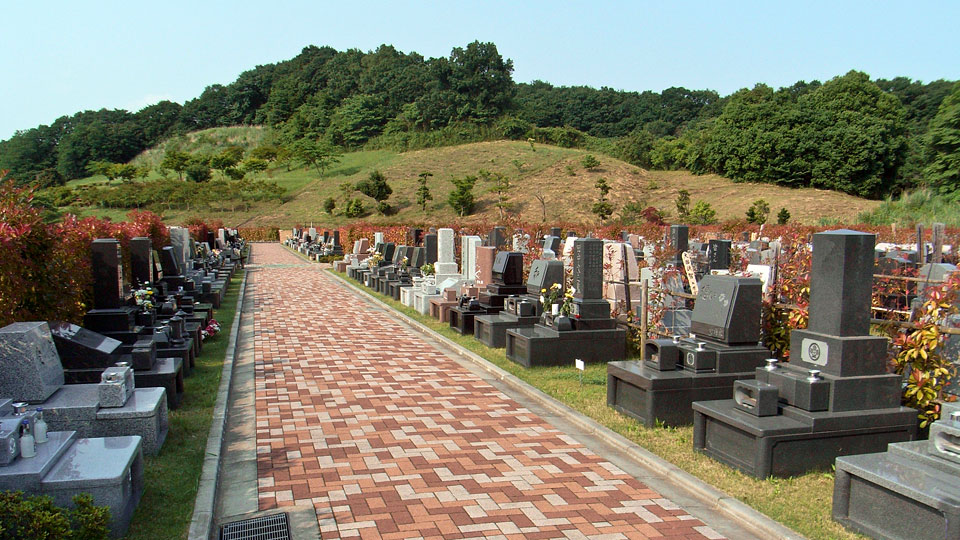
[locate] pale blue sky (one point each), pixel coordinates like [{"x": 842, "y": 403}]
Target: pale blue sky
[{"x": 60, "y": 57}]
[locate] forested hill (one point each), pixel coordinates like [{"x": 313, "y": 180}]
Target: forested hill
[{"x": 862, "y": 136}]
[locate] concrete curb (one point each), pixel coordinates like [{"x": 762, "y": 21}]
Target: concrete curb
[
  {"x": 201, "y": 524},
  {"x": 710, "y": 496}
]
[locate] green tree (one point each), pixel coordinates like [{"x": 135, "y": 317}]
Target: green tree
[
  {"x": 602, "y": 208},
  {"x": 943, "y": 144},
  {"x": 102, "y": 168},
  {"x": 423, "y": 192},
  {"x": 758, "y": 212},
  {"x": 176, "y": 161},
  {"x": 590, "y": 162},
  {"x": 125, "y": 171},
  {"x": 375, "y": 186},
  {"x": 683, "y": 205},
  {"x": 266, "y": 152},
  {"x": 329, "y": 205},
  {"x": 354, "y": 208},
  {"x": 461, "y": 198},
  {"x": 198, "y": 169},
  {"x": 320, "y": 155},
  {"x": 702, "y": 214},
  {"x": 500, "y": 184},
  {"x": 226, "y": 159},
  {"x": 254, "y": 165},
  {"x": 783, "y": 216}
]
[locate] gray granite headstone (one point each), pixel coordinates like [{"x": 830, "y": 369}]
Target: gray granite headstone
[
  {"x": 841, "y": 283},
  {"x": 30, "y": 368},
  {"x": 728, "y": 309},
  {"x": 543, "y": 274},
  {"x": 107, "y": 266},
  {"x": 588, "y": 268}
]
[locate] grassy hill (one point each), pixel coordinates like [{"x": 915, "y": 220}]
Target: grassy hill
[{"x": 553, "y": 172}]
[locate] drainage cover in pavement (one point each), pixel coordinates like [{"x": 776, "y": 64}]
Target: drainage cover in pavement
[{"x": 272, "y": 527}]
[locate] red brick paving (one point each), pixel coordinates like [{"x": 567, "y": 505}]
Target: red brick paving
[{"x": 390, "y": 439}]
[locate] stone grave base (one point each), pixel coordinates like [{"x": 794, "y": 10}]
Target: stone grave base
[
  {"x": 75, "y": 407},
  {"x": 542, "y": 346},
  {"x": 649, "y": 395},
  {"x": 795, "y": 441},
  {"x": 167, "y": 373},
  {"x": 109, "y": 469},
  {"x": 462, "y": 320},
  {"x": 491, "y": 330},
  {"x": 904, "y": 493}
]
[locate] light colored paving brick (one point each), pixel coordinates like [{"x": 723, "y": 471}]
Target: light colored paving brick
[{"x": 394, "y": 440}]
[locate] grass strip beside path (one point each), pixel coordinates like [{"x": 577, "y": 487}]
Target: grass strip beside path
[
  {"x": 802, "y": 503},
  {"x": 172, "y": 477}
]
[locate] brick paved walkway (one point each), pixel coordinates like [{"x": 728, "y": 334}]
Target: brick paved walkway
[{"x": 389, "y": 438}]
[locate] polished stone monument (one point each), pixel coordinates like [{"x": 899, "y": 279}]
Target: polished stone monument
[
  {"x": 506, "y": 280},
  {"x": 909, "y": 492},
  {"x": 835, "y": 396},
  {"x": 588, "y": 333},
  {"x": 676, "y": 372},
  {"x": 112, "y": 407},
  {"x": 523, "y": 310}
]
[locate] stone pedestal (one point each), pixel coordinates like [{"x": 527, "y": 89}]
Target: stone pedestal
[{"x": 909, "y": 492}]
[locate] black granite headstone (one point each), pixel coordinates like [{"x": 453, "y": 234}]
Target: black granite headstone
[
  {"x": 841, "y": 283},
  {"x": 508, "y": 268},
  {"x": 497, "y": 237},
  {"x": 156, "y": 266},
  {"x": 719, "y": 254},
  {"x": 679, "y": 240},
  {"x": 418, "y": 259},
  {"x": 556, "y": 231},
  {"x": 141, "y": 260},
  {"x": 169, "y": 262},
  {"x": 588, "y": 268},
  {"x": 430, "y": 245},
  {"x": 107, "y": 266}
]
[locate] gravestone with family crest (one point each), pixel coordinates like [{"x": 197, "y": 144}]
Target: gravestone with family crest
[
  {"x": 835, "y": 396},
  {"x": 723, "y": 347}
]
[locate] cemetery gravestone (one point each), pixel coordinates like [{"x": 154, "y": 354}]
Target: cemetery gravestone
[
  {"x": 587, "y": 334},
  {"x": 911, "y": 491},
  {"x": 678, "y": 371},
  {"x": 519, "y": 311},
  {"x": 835, "y": 396}
]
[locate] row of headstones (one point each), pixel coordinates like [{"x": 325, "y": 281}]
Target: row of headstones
[
  {"x": 314, "y": 244},
  {"x": 116, "y": 408},
  {"x": 835, "y": 398}
]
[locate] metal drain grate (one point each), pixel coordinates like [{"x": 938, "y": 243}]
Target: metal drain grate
[{"x": 272, "y": 527}]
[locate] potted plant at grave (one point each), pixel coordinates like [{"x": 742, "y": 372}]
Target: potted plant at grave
[{"x": 427, "y": 270}]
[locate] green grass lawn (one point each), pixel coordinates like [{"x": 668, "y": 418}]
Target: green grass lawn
[
  {"x": 801, "y": 503},
  {"x": 172, "y": 477}
]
